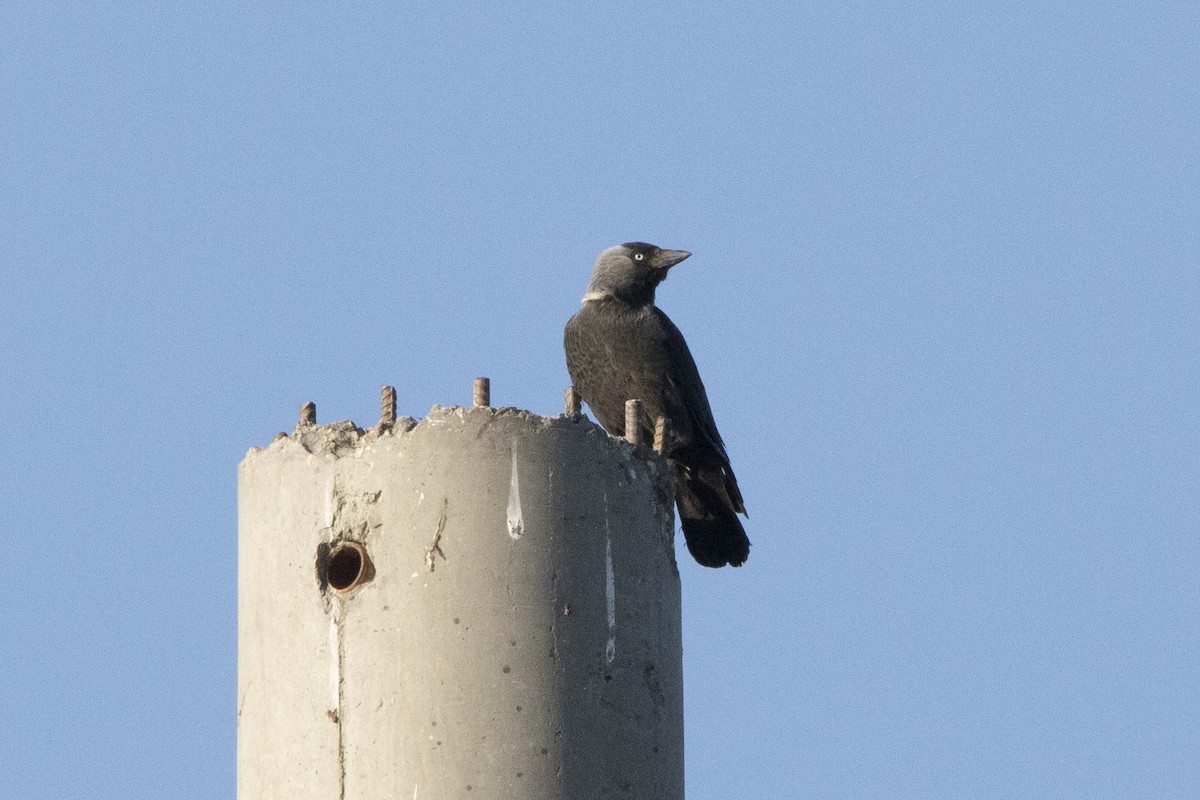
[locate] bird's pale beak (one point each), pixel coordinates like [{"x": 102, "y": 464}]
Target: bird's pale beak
[{"x": 665, "y": 259}]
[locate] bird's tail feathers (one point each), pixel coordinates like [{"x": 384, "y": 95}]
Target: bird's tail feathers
[{"x": 708, "y": 514}]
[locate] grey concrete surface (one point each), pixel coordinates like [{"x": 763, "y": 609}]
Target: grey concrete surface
[{"x": 519, "y": 636}]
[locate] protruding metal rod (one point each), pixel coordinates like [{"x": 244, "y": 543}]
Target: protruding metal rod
[
  {"x": 308, "y": 414},
  {"x": 574, "y": 404},
  {"x": 387, "y": 406},
  {"x": 661, "y": 426},
  {"x": 483, "y": 392},
  {"x": 633, "y": 421}
]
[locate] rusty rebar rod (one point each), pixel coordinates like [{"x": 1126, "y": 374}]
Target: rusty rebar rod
[
  {"x": 483, "y": 392},
  {"x": 633, "y": 421}
]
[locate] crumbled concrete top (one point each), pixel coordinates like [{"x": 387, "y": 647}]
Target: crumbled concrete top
[{"x": 345, "y": 439}]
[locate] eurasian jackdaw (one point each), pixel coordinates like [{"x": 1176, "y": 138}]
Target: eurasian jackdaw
[{"x": 620, "y": 347}]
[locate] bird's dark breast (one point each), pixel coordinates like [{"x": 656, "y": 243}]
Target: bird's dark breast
[{"x": 616, "y": 354}]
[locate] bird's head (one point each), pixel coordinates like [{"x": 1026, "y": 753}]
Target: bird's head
[{"x": 631, "y": 271}]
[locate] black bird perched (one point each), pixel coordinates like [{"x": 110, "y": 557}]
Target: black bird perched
[{"x": 620, "y": 347}]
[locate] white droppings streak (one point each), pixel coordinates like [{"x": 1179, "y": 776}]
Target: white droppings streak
[
  {"x": 610, "y": 589},
  {"x": 335, "y": 657},
  {"x": 516, "y": 524},
  {"x": 329, "y": 504}
]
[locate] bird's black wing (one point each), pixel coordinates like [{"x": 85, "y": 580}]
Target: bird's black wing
[{"x": 686, "y": 399}]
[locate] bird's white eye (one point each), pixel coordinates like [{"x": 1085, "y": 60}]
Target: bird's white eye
[{"x": 638, "y": 256}]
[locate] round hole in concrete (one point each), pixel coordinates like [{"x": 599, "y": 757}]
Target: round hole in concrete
[{"x": 348, "y": 566}]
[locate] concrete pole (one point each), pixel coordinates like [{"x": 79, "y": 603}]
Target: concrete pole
[{"x": 484, "y": 605}]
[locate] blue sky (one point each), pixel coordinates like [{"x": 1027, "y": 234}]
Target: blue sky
[{"x": 944, "y": 296}]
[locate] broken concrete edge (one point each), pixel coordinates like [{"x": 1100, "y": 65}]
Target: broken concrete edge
[{"x": 343, "y": 438}]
